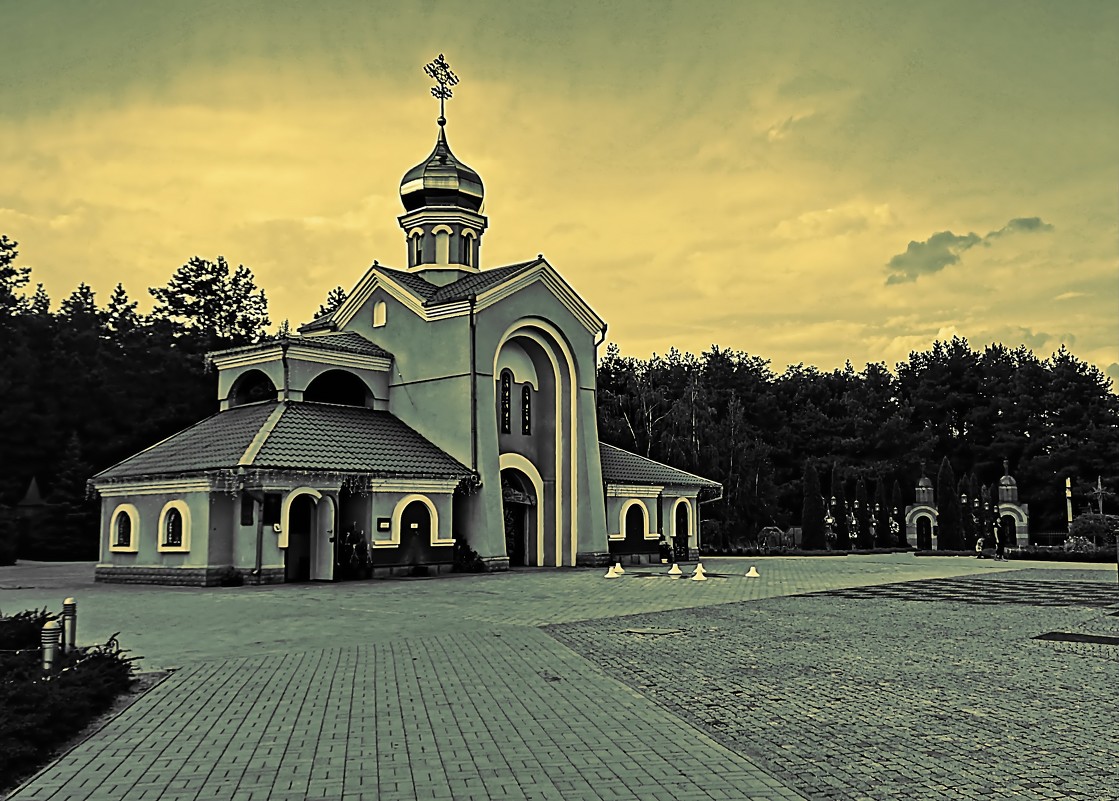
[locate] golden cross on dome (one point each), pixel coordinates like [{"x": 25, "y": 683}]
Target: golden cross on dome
[{"x": 440, "y": 72}]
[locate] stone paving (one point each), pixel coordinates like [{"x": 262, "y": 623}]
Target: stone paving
[{"x": 529, "y": 685}]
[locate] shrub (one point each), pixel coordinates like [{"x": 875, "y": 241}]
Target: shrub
[
  {"x": 42, "y": 713},
  {"x": 465, "y": 559},
  {"x": 23, "y": 630}
]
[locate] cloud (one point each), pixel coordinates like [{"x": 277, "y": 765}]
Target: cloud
[
  {"x": 931, "y": 256},
  {"x": 1112, "y": 372},
  {"x": 781, "y": 129},
  {"x": 943, "y": 249},
  {"x": 1070, "y": 295},
  {"x": 1021, "y": 225},
  {"x": 848, "y": 218}
]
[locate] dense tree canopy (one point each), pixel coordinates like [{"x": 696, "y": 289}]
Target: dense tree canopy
[{"x": 88, "y": 384}]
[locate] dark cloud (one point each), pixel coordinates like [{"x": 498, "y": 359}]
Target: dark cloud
[
  {"x": 944, "y": 248},
  {"x": 1021, "y": 225},
  {"x": 931, "y": 256}
]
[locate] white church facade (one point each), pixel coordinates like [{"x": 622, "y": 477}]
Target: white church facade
[{"x": 441, "y": 403}]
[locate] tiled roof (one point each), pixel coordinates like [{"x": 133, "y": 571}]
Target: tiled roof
[
  {"x": 623, "y": 467},
  {"x": 410, "y": 281},
  {"x": 343, "y": 341},
  {"x": 321, "y": 436},
  {"x": 476, "y": 283},
  {"x": 217, "y": 441},
  {"x": 325, "y": 322},
  {"x": 304, "y": 436}
]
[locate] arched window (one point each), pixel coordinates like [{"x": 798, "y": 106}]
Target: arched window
[
  {"x": 173, "y": 529},
  {"x": 467, "y": 249},
  {"x": 379, "y": 314},
  {"x": 417, "y": 242},
  {"x": 442, "y": 247},
  {"x": 526, "y": 409},
  {"x": 124, "y": 528},
  {"x": 124, "y": 531},
  {"x": 506, "y": 391}
]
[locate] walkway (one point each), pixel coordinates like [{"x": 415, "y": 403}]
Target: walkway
[{"x": 559, "y": 684}]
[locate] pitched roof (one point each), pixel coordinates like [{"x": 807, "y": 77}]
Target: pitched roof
[
  {"x": 345, "y": 341},
  {"x": 623, "y": 467},
  {"x": 341, "y": 341},
  {"x": 477, "y": 283},
  {"x": 294, "y": 435}
]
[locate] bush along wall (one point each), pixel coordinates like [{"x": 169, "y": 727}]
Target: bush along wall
[{"x": 43, "y": 712}]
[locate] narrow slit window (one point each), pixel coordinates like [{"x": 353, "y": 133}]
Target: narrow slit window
[
  {"x": 526, "y": 410},
  {"x": 506, "y": 392}
]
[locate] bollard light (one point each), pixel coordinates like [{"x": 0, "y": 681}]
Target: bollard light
[
  {"x": 69, "y": 625},
  {"x": 50, "y": 637}
]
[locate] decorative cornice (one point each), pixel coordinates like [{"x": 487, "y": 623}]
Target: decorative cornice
[{"x": 633, "y": 491}]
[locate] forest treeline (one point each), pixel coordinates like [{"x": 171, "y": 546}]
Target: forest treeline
[{"x": 86, "y": 383}]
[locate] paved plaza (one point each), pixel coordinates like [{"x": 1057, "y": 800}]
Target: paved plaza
[{"x": 869, "y": 677}]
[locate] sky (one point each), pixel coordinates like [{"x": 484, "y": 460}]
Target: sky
[{"x": 809, "y": 182}]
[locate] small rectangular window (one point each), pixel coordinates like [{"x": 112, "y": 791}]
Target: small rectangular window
[
  {"x": 247, "y": 504},
  {"x": 271, "y": 512}
]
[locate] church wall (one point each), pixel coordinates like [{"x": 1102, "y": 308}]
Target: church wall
[
  {"x": 148, "y": 564},
  {"x": 537, "y": 302}
]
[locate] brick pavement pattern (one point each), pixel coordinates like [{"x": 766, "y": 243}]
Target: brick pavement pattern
[
  {"x": 862, "y": 694},
  {"x": 557, "y": 684}
]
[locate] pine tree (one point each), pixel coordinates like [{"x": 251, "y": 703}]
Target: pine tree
[
  {"x": 948, "y": 509},
  {"x": 812, "y": 511},
  {"x": 334, "y": 298}
]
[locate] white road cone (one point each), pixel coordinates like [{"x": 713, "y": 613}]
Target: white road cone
[
  {"x": 698, "y": 576},
  {"x": 611, "y": 574},
  {"x": 752, "y": 572},
  {"x": 675, "y": 571},
  {"x": 618, "y": 568},
  {"x": 699, "y": 571}
]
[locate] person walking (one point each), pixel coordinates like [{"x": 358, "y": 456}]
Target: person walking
[{"x": 998, "y": 545}]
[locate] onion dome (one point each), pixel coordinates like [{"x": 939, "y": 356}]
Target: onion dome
[
  {"x": 1007, "y": 481},
  {"x": 441, "y": 180},
  {"x": 924, "y": 482}
]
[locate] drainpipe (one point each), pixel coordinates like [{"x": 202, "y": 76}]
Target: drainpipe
[
  {"x": 259, "y": 504},
  {"x": 473, "y": 386}
]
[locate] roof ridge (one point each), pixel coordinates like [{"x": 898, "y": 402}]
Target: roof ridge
[{"x": 262, "y": 435}]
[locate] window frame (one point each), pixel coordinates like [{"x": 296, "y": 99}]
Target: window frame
[
  {"x": 133, "y": 515},
  {"x": 184, "y": 515}
]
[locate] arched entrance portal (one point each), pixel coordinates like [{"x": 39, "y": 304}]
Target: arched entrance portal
[
  {"x": 301, "y": 524},
  {"x": 680, "y": 533},
  {"x": 535, "y": 411},
  {"x": 415, "y": 532},
  {"x": 518, "y": 507},
  {"x": 924, "y": 533},
  {"x": 310, "y": 552},
  {"x": 635, "y": 527},
  {"x": 1008, "y": 531}
]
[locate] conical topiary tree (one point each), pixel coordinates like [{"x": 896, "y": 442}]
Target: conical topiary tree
[
  {"x": 882, "y": 538},
  {"x": 863, "y": 536},
  {"x": 812, "y": 511},
  {"x": 948, "y": 509},
  {"x": 840, "y": 511},
  {"x": 897, "y": 516}
]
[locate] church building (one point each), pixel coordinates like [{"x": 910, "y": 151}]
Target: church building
[{"x": 441, "y": 402}]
